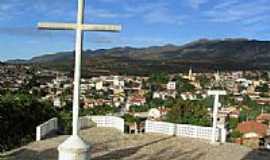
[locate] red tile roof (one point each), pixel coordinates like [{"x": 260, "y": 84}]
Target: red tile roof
[{"x": 252, "y": 126}]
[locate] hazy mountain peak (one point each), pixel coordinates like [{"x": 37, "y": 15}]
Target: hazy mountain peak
[{"x": 203, "y": 54}]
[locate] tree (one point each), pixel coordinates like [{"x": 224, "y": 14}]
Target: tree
[
  {"x": 228, "y": 100},
  {"x": 142, "y": 108},
  {"x": 157, "y": 79},
  {"x": 65, "y": 121},
  {"x": 204, "y": 81},
  {"x": 265, "y": 76},
  {"x": 234, "y": 135},
  {"x": 262, "y": 88},
  {"x": 188, "y": 112},
  {"x": 250, "y": 109},
  {"x": 233, "y": 122},
  {"x": 129, "y": 119},
  {"x": 99, "y": 110},
  {"x": 32, "y": 82},
  {"x": 19, "y": 116},
  {"x": 183, "y": 85},
  {"x": 155, "y": 103}
]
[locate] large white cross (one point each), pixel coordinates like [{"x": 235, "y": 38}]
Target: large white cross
[
  {"x": 79, "y": 27},
  {"x": 217, "y": 104}
]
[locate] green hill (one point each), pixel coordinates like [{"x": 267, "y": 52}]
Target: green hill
[{"x": 202, "y": 55}]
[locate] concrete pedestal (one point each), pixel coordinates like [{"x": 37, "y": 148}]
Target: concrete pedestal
[{"x": 74, "y": 148}]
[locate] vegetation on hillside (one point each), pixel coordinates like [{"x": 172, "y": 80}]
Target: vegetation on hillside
[
  {"x": 19, "y": 116},
  {"x": 99, "y": 110},
  {"x": 250, "y": 109},
  {"x": 189, "y": 112},
  {"x": 183, "y": 85}
]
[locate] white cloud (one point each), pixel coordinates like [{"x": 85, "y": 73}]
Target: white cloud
[
  {"x": 149, "y": 12},
  {"x": 245, "y": 12},
  {"x": 155, "y": 13},
  {"x": 196, "y": 4}
]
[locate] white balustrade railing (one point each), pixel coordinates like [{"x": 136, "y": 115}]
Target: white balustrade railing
[
  {"x": 159, "y": 127},
  {"x": 85, "y": 122},
  {"x": 150, "y": 127},
  {"x": 102, "y": 121},
  {"x": 44, "y": 129},
  {"x": 184, "y": 130}
]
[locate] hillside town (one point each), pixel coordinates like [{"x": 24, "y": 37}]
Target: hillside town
[
  {"x": 152, "y": 91},
  {"x": 245, "y": 111}
]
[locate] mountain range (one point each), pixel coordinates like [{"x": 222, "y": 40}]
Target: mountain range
[{"x": 201, "y": 55}]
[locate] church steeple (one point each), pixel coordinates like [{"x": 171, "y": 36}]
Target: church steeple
[
  {"x": 217, "y": 76},
  {"x": 190, "y": 74}
]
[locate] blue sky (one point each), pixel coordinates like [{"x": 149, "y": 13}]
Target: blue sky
[{"x": 145, "y": 23}]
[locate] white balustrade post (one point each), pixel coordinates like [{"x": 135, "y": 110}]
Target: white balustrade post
[
  {"x": 215, "y": 93},
  {"x": 223, "y": 135},
  {"x": 146, "y": 126},
  {"x": 215, "y": 112},
  {"x": 38, "y": 133}
]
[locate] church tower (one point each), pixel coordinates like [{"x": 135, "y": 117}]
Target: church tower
[{"x": 190, "y": 74}]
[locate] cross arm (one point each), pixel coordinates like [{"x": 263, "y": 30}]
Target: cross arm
[
  {"x": 57, "y": 26},
  {"x": 85, "y": 27},
  {"x": 102, "y": 27}
]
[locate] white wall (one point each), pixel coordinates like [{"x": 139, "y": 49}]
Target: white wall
[
  {"x": 184, "y": 130},
  {"x": 150, "y": 127},
  {"x": 85, "y": 122},
  {"x": 46, "y": 128},
  {"x": 103, "y": 121}
]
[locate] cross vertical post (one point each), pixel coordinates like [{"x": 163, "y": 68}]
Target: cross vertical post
[
  {"x": 77, "y": 73},
  {"x": 74, "y": 148},
  {"x": 216, "y": 94}
]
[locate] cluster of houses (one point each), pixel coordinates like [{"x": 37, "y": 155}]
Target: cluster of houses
[
  {"x": 97, "y": 91},
  {"x": 251, "y": 133},
  {"x": 255, "y": 133},
  {"x": 126, "y": 91},
  {"x": 13, "y": 77}
]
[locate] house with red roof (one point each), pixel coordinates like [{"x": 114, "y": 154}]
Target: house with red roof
[
  {"x": 136, "y": 100},
  {"x": 252, "y": 133}
]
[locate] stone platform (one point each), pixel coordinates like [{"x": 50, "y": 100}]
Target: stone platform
[{"x": 110, "y": 144}]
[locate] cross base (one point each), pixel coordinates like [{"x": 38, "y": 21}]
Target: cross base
[{"x": 74, "y": 148}]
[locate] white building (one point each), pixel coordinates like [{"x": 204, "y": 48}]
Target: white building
[
  {"x": 135, "y": 100},
  {"x": 99, "y": 85},
  {"x": 171, "y": 85},
  {"x": 116, "y": 81},
  {"x": 57, "y": 102},
  {"x": 154, "y": 113},
  {"x": 164, "y": 95}
]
